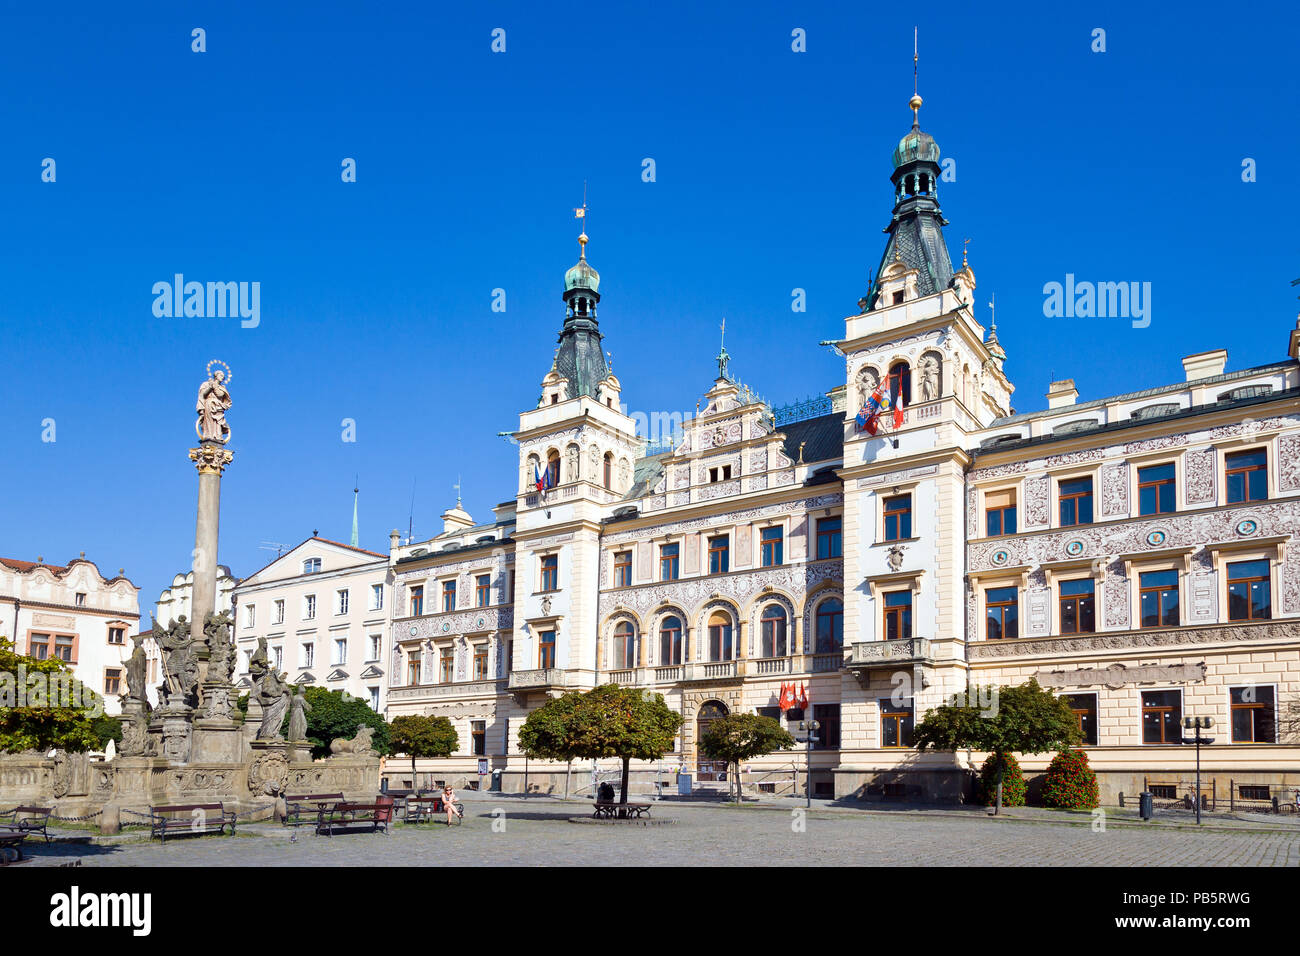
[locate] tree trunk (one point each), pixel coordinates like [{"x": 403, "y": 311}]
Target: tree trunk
[
  {"x": 740, "y": 797},
  {"x": 627, "y": 772},
  {"x": 415, "y": 786},
  {"x": 568, "y": 772},
  {"x": 1002, "y": 768}
]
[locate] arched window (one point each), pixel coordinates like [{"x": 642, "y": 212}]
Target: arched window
[
  {"x": 609, "y": 469},
  {"x": 900, "y": 383},
  {"x": 624, "y": 646},
  {"x": 830, "y": 626},
  {"x": 720, "y": 636},
  {"x": 553, "y": 468},
  {"x": 773, "y": 627},
  {"x": 670, "y": 641}
]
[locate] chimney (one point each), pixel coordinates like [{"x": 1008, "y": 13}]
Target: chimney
[
  {"x": 1205, "y": 364},
  {"x": 394, "y": 540},
  {"x": 1062, "y": 393}
]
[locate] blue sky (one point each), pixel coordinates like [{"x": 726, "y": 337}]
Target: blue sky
[{"x": 772, "y": 174}]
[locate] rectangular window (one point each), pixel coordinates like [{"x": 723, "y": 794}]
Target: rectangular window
[
  {"x": 279, "y": 611},
  {"x": 1076, "y": 501},
  {"x": 546, "y": 650},
  {"x": 1158, "y": 597},
  {"x": 1078, "y": 615},
  {"x": 374, "y": 699},
  {"x": 828, "y": 538},
  {"x": 376, "y": 647},
  {"x": 828, "y": 735},
  {"x": 550, "y": 572},
  {"x": 413, "y": 667},
  {"x": 307, "y": 656},
  {"x": 447, "y": 665},
  {"x": 117, "y": 635},
  {"x": 250, "y": 615},
  {"x": 342, "y": 602},
  {"x": 376, "y": 597},
  {"x": 81, "y": 599},
  {"x": 1156, "y": 490},
  {"x": 1000, "y": 512},
  {"x": 1254, "y": 715},
  {"x": 1084, "y": 707},
  {"x": 895, "y": 724},
  {"x": 277, "y": 653},
  {"x": 623, "y": 569},
  {"x": 340, "y": 650},
  {"x": 719, "y": 554},
  {"x": 898, "y": 616},
  {"x": 112, "y": 681},
  {"x": 1249, "y": 594},
  {"x": 670, "y": 642},
  {"x": 510, "y": 587},
  {"x": 309, "y": 607},
  {"x": 721, "y": 473},
  {"x": 449, "y": 595},
  {"x": 1162, "y": 715},
  {"x": 772, "y": 544},
  {"x": 478, "y": 737},
  {"x": 668, "y": 554},
  {"x": 480, "y": 661},
  {"x": 63, "y": 647},
  {"x": 1246, "y": 476},
  {"x": 483, "y": 590},
  {"x": 898, "y": 518},
  {"x": 38, "y": 646},
  {"x": 1002, "y": 617}
]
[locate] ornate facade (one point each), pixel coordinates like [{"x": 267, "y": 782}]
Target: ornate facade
[{"x": 1130, "y": 552}]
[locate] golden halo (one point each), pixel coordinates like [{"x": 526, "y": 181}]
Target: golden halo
[{"x": 229, "y": 374}]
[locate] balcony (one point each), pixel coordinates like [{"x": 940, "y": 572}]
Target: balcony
[
  {"x": 475, "y": 688},
  {"x": 548, "y": 678},
  {"x": 870, "y": 655}
]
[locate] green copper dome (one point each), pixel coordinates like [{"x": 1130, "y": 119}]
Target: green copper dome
[
  {"x": 915, "y": 146},
  {"x": 582, "y": 276}
]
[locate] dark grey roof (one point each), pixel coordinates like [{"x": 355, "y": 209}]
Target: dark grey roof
[
  {"x": 918, "y": 235},
  {"x": 580, "y": 358},
  {"x": 823, "y": 437},
  {"x": 645, "y": 475}
]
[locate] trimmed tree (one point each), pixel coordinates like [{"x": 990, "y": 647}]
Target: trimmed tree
[
  {"x": 1071, "y": 784},
  {"x": 607, "y": 721},
  {"x": 1008, "y": 774},
  {"x": 336, "y": 713},
  {"x": 1023, "y": 719},
  {"x": 36, "y": 715},
  {"x": 738, "y": 737},
  {"x": 423, "y": 737}
]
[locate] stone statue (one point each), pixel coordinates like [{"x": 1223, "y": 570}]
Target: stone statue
[
  {"x": 135, "y": 734},
  {"x": 929, "y": 378},
  {"x": 299, "y": 708},
  {"x": 257, "y": 664},
  {"x": 361, "y": 745},
  {"x": 273, "y": 694},
  {"x": 137, "y": 670},
  {"x": 180, "y": 660},
  {"x": 867, "y": 382},
  {"x": 221, "y": 652},
  {"x": 572, "y": 458},
  {"x": 213, "y": 401}
]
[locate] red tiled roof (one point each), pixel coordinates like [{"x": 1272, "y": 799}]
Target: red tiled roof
[{"x": 29, "y": 565}]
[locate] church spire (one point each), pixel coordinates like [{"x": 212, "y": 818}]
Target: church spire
[
  {"x": 580, "y": 358},
  {"x": 356, "y": 539}
]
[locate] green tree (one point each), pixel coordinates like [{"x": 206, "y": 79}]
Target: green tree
[
  {"x": 1071, "y": 784},
  {"x": 421, "y": 737},
  {"x": 336, "y": 713},
  {"x": 738, "y": 737},
  {"x": 607, "y": 721},
  {"x": 107, "y": 728},
  {"x": 1022, "y": 719},
  {"x": 36, "y": 725}
]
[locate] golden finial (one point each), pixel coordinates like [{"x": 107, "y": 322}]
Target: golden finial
[
  {"x": 915, "y": 101},
  {"x": 964, "y": 244},
  {"x": 581, "y": 213}
]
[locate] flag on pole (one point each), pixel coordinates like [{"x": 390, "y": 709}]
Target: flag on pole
[
  {"x": 580, "y": 213},
  {"x": 803, "y": 697},
  {"x": 784, "y": 701},
  {"x": 538, "y": 480}
]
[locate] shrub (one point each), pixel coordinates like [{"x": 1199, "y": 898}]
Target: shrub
[
  {"x": 1013, "y": 782},
  {"x": 1071, "y": 784}
]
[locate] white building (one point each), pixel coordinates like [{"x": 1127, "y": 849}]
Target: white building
[
  {"x": 72, "y": 612},
  {"x": 178, "y": 600},
  {"x": 323, "y": 610}
]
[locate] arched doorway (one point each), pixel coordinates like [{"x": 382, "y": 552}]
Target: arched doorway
[{"x": 709, "y": 711}]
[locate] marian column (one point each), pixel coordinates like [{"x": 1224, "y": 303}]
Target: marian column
[{"x": 211, "y": 459}]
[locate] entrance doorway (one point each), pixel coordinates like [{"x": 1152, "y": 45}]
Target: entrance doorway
[{"x": 708, "y": 769}]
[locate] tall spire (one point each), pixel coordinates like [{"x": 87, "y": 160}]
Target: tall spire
[
  {"x": 356, "y": 538},
  {"x": 580, "y": 358}
]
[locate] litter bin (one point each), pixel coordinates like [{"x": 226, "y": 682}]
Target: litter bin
[
  {"x": 684, "y": 784},
  {"x": 496, "y": 780},
  {"x": 1146, "y": 805}
]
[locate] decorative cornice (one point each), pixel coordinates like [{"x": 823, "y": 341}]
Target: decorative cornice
[{"x": 1133, "y": 640}]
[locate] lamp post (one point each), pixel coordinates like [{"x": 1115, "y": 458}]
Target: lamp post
[
  {"x": 1196, "y": 725},
  {"x": 808, "y": 727}
]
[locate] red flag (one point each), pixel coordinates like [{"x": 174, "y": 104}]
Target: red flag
[
  {"x": 873, "y": 423},
  {"x": 784, "y": 702},
  {"x": 898, "y": 413},
  {"x": 803, "y": 697}
]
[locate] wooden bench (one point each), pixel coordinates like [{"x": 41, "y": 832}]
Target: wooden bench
[
  {"x": 356, "y": 818},
  {"x": 11, "y": 845},
  {"x": 608, "y": 810},
  {"x": 296, "y": 812},
  {"x": 35, "y": 821},
  {"x": 421, "y": 809},
  {"x": 192, "y": 818}
]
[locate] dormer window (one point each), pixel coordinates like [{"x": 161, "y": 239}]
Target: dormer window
[
  {"x": 311, "y": 566},
  {"x": 555, "y": 399},
  {"x": 720, "y": 473},
  {"x": 898, "y": 297}
]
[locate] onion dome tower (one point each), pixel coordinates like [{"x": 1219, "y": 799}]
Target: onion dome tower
[{"x": 580, "y": 358}]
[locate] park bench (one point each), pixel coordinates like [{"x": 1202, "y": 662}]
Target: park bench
[
  {"x": 194, "y": 818},
  {"x": 356, "y": 818},
  {"x": 297, "y": 812},
  {"x": 11, "y": 844},
  {"x": 29, "y": 819},
  {"x": 421, "y": 809},
  {"x": 608, "y": 810}
]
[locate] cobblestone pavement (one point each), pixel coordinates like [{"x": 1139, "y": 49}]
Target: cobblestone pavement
[{"x": 540, "y": 834}]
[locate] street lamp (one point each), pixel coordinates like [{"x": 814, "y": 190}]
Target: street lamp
[
  {"x": 809, "y": 727},
  {"x": 1196, "y": 725}
]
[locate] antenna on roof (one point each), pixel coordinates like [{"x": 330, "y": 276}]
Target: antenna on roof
[
  {"x": 410, "y": 520},
  {"x": 275, "y": 546}
]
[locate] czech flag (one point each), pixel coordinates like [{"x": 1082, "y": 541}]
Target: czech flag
[{"x": 538, "y": 480}]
